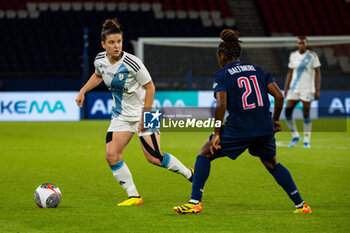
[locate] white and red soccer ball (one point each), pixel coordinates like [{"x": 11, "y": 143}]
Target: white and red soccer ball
[{"x": 47, "y": 196}]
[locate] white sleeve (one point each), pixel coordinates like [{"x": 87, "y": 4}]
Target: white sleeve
[
  {"x": 97, "y": 69},
  {"x": 142, "y": 75},
  {"x": 316, "y": 62},
  {"x": 290, "y": 63}
]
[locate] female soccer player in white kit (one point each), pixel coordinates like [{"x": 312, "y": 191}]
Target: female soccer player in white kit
[
  {"x": 303, "y": 84},
  {"x": 133, "y": 92}
]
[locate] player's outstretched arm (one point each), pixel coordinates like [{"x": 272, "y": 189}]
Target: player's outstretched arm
[
  {"x": 93, "y": 82},
  {"x": 277, "y": 94},
  {"x": 221, "y": 102},
  {"x": 287, "y": 83},
  {"x": 149, "y": 97}
]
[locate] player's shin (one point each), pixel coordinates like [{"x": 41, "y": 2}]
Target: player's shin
[
  {"x": 201, "y": 174},
  {"x": 307, "y": 130},
  {"x": 171, "y": 163},
  {"x": 285, "y": 180},
  {"x": 292, "y": 127},
  {"x": 123, "y": 175}
]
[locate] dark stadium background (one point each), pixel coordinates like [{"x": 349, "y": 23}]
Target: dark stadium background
[{"x": 41, "y": 43}]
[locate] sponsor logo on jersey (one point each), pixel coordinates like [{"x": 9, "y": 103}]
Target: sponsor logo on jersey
[{"x": 103, "y": 66}]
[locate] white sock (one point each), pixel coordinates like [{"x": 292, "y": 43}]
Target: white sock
[
  {"x": 123, "y": 175},
  {"x": 293, "y": 127},
  {"x": 173, "y": 164},
  {"x": 300, "y": 205},
  {"x": 307, "y": 130},
  {"x": 194, "y": 201}
]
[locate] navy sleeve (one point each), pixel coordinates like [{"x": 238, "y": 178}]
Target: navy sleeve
[
  {"x": 219, "y": 82},
  {"x": 269, "y": 78},
  {"x": 266, "y": 77}
]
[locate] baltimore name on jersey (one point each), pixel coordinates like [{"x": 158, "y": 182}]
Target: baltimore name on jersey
[{"x": 248, "y": 103}]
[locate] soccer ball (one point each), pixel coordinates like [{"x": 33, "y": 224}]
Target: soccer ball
[{"x": 47, "y": 196}]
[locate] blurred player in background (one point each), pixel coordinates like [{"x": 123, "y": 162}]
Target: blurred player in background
[
  {"x": 133, "y": 92},
  {"x": 303, "y": 84},
  {"x": 242, "y": 89}
]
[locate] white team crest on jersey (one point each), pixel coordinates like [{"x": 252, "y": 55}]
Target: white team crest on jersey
[{"x": 121, "y": 76}]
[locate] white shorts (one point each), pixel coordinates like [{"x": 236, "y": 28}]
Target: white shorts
[
  {"x": 303, "y": 96},
  {"x": 119, "y": 125}
]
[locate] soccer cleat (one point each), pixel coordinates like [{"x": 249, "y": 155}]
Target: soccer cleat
[
  {"x": 188, "y": 208},
  {"x": 192, "y": 171},
  {"x": 306, "y": 145},
  {"x": 304, "y": 210},
  {"x": 294, "y": 141},
  {"x": 131, "y": 201}
]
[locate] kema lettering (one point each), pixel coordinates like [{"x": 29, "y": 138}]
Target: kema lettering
[{"x": 30, "y": 107}]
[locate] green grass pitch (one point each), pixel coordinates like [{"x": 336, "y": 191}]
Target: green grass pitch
[{"x": 240, "y": 196}]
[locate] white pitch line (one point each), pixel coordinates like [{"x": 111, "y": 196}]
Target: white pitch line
[{"x": 285, "y": 144}]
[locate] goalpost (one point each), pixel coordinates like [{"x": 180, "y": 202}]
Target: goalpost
[{"x": 248, "y": 42}]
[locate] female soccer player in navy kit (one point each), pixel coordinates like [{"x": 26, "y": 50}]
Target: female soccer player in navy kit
[
  {"x": 133, "y": 91},
  {"x": 242, "y": 89}
]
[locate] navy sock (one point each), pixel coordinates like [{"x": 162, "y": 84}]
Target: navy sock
[
  {"x": 283, "y": 178},
  {"x": 201, "y": 174}
]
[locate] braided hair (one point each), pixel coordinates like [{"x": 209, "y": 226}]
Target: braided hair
[
  {"x": 110, "y": 26},
  {"x": 230, "y": 46}
]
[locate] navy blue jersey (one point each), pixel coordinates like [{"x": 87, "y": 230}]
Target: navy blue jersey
[{"x": 247, "y": 100}]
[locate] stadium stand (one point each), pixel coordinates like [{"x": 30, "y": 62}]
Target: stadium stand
[
  {"x": 48, "y": 34},
  {"x": 42, "y": 40},
  {"x": 311, "y": 17}
]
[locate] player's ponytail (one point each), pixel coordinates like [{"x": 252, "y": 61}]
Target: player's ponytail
[
  {"x": 230, "y": 46},
  {"x": 110, "y": 26}
]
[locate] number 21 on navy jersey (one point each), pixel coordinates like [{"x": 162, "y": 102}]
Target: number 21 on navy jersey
[{"x": 247, "y": 95}]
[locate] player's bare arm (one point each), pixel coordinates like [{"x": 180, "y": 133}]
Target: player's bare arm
[
  {"x": 287, "y": 83},
  {"x": 149, "y": 97},
  {"x": 317, "y": 82},
  {"x": 220, "y": 109},
  {"x": 277, "y": 94},
  {"x": 93, "y": 82}
]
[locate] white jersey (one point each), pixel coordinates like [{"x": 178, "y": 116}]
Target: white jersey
[
  {"x": 124, "y": 80},
  {"x": 303, "y": 65}
]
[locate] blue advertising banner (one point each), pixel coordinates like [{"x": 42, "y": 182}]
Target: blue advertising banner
[
  {"x": 334, "y": 104},
  {"x": 99, "y": 105},
  {"x": 39, "y": 106},
  {"x": 330, "y": 104}
]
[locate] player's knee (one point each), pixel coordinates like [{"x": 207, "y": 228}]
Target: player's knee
[
  {"x": 270, "y": 167},
  {"x": 112, "y": 156},
  {"x": 153, "y": 154},
  {"x": 306, "y": 115},
  {"x": 288, "y": 112},
  {"x": 210, "y": 156},
  {"x": 270, "y": 163},
  {"x": 151, "y": 159}
]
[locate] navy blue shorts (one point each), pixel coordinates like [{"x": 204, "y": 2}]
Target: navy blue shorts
[{"x": 261, "y": 146}]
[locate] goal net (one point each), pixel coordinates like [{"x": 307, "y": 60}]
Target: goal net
[{"x": 189, "y": 63}]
